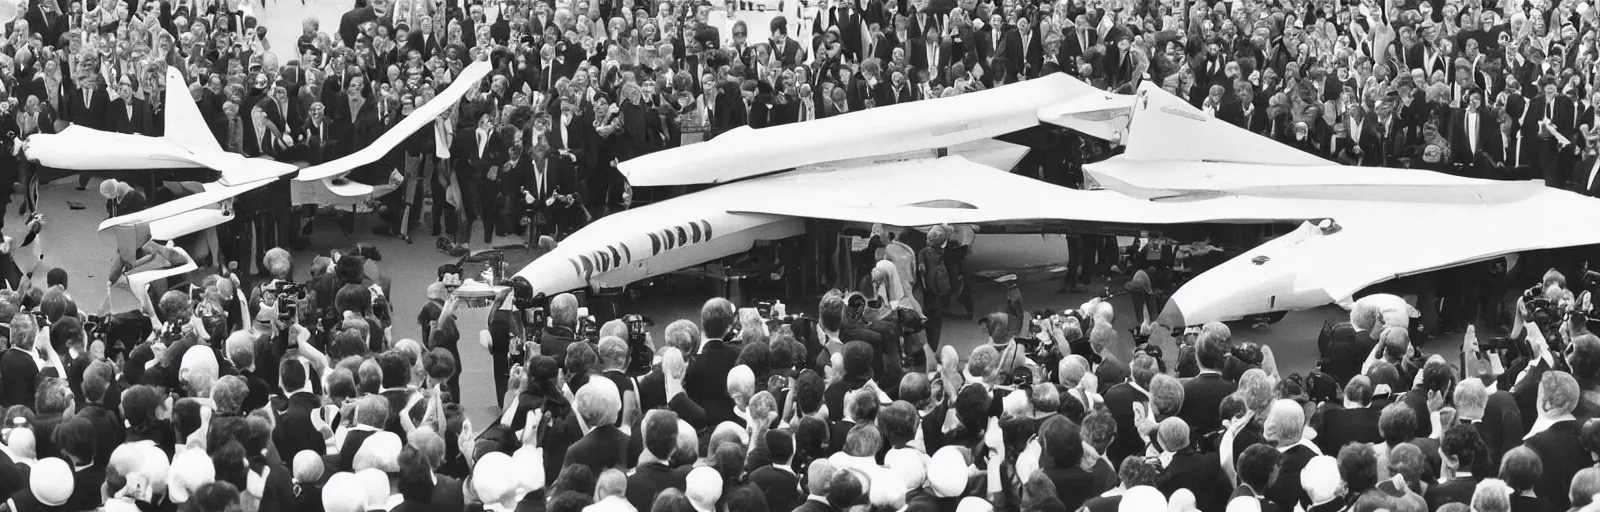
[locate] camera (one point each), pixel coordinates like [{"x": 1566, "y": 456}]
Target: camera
[
  {"x": 588, "y": 328},
  {"x": 289, "y": 295},
  {"x": 640, "y": 354}
]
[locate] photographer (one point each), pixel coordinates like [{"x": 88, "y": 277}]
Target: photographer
[
  {"x": 563, "y": 328},
  {"x": 509, "y": 325}
]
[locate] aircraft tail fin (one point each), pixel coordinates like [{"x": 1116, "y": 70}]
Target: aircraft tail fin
[
  {"x": 185, "y": 126},
  {"x": 1166, "y": 127}
]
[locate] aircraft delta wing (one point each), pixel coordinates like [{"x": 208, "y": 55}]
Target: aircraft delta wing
[
  {"x": 904, "y": 127},
  {"x": 222, "y": 191},
  {"x": 1372, "y": 225},
  {"x": 1359, "y": 227}
]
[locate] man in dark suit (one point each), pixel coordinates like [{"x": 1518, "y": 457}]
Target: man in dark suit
[
  {"x": 1204, "y": 392},
  {"x": 18, "y": 374},
  {"x": 654, "y": 472},
  {"x": 896, "y": 90},
  {"x": 475, "y": 153},
  {"x": 1472, "y": 127},
  {"x": 423, "y": 40},
  {"x": 1025, "y": 49},
  {"x": 128, "y": 113},
  {"x": 1555, "y": 437},
  {"x": 295, "y": 432},
  {"x": 1080, "y": 38},
  {"x": 991, "y": 43},
  {"x": 603, "y": 445},
  {"x": 1190, "y": 468},
  {"x": 1546, "y": 122},
  {"x": 45, "y": 19},
  {"x": 706, "y": 382},
  {"x": 778, "y": 481},
  {"x": 571, "y": 139},
  {"x": 844, "y": 16},
  {"x": 1287, "y": 420},
  {"x": 1120, "y": 400},
  {"x": 1494, "y": 415},
  {"x": 1365, "y": 143},
  {"x": 1500, "y": 153},
  {"x": 350, "y": 23},
  {"x": 1354, "y": 422},
  {"x": 738, "y": 106},
  {"x": 786, "y": 50},
  {"x": 549, "y": 183}
]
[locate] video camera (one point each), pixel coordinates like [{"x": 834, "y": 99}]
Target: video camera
[
  {"x": 288, "y": 295},
  {"x": 1040, "y": 346},
  {"x": 640, "y": 354},
  {"x": 765, "y": 308}
]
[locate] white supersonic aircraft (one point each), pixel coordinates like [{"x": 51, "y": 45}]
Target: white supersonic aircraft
[
  {"x": 188, "y": 143},
  {"x": 933, "y": 162}
]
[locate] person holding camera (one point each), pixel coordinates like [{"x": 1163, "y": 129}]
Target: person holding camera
[{"x": 511, "y": 322}]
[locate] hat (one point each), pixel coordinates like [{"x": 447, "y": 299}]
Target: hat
[{"x": 51, "y": 482}]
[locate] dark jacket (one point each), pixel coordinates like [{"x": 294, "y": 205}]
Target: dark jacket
[
  {"x": 1563, "y": 455},
  {"x": 1285, "y": 490},
  {"x": 294, "y": 432},
  {"x": 707, "y": 381},
  {"x": 18, "y": 378},
  {"x": 1342, "y": 426},
  {"x": 1201, "y": 396},
  {"x": 603, "y": 448},
  {"x": 651, "y": 478},
  {"x": 1201, "y": 473},
  {"x": 781, "y": 487}
]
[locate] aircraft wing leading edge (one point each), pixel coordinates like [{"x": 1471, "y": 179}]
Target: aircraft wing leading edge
[
  {"x": 935, "y": 123},
  {"x": 419, "y": 118}
]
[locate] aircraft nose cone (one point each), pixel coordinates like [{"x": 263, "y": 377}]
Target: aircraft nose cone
[{"x": 1171, "y": 316}]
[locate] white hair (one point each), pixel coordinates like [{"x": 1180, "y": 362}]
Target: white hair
[
  {"x": 1492, "y": 495},
  {"x": 703, "y": 486},
  {"x": 598, "y": 402},
  {"x": 1320, "y": 478},
  {"x": 1286, "y": 422},
  {"x": 741, "y": 383},
  {"x": 343, "y": 493}
]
